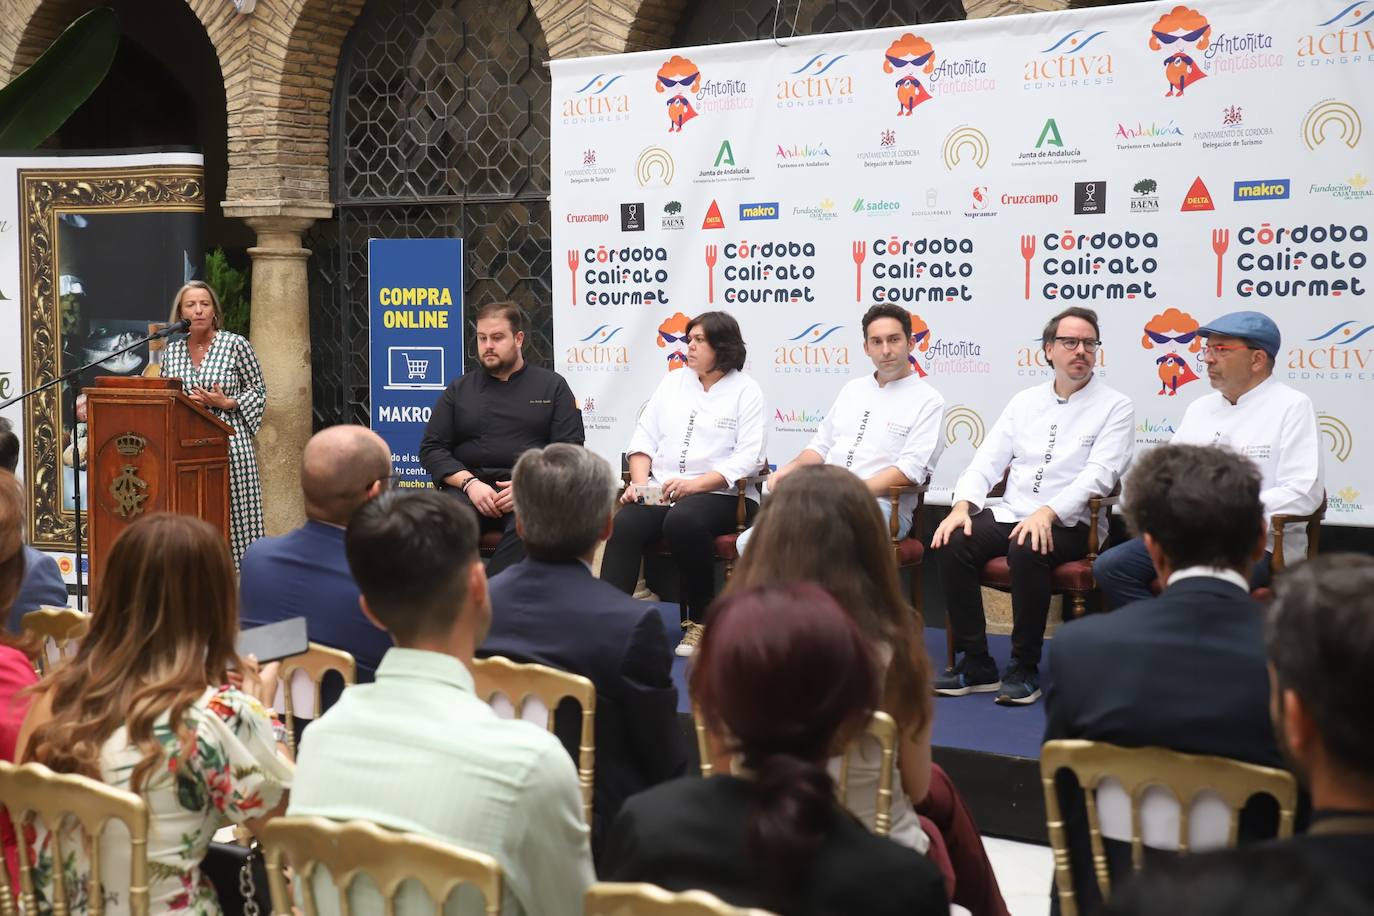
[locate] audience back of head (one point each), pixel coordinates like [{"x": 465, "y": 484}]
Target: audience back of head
[
  {"x": 11, "y": 539},
  {"x": 9, "y": 447},
  {"x": 564, "y": 495},
  {"x": 341, "y": 468}
]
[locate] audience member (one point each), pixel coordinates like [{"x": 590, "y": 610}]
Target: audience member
[
  {"x": 417, "y": 750},
  {"x": 702, "y": 431},
  {"x": 847, "y": 551},
  {"x": 1058, "y": 445},
  {"x": 305, "y": 573},
  {"x": 145, "y": 706},
  {"x": 488, "y": 416},
  {"x": 1255, "y": 415},
  {"x": 773, "y": 836},
  {"x": 550, "y": 609},
  {"x": 1184, "y": 670},
  {"x": 16, "y": 674},
  {"x": 42, "y": 584}
]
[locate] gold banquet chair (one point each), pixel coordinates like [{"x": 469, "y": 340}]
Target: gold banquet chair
[
  {"x": 520, "y": 683},
  {"x": 354, "y": 848},
  {"x": 312, "y": 665},
  {"x": 1188, "y": 778},
  {"x": 57, "y": 799},
  {"x": 608, "y": 898},
  {"x": 54, "y": 633}
]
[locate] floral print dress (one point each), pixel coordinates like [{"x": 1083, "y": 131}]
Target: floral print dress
[{"x": 226, "y": 771}]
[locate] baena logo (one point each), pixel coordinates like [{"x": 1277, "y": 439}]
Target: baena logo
[
  {"x": 1146, "y": 199},
  {"x": 1344, "y": 38},
  {"x": 1332, "y": 120},
  {"x": 749, "y": 212},
  {"x": 910, "y": 51},
  {"x": 813, "y": 352},
  {"x": 1197, "y": 198},
  {"x": 672, "y": 216},
  {"x": 1262, "y": 189},
  {"x": 679, "y": 76},
  {"x": 672, "y": 336},
  {"x": 1067, "y": 63},
  {"x": 1172, "y": 328},
  {"x": 602, "y": 350},
  {"x": 599, "y": 101},
  {"x": 655, "y": 166},
  {"x": 819, "y": 81},
  {"x": 1186, "y": 27},
  {"x": 1333, "y": 355},
  {"x": 966, "y": 143}
]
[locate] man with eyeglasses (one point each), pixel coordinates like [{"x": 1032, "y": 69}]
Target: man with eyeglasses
[
  {"x": 1059, "y": 444},
  {"x": 304, "y": 573},
  {"x": 1255, "y": 415}
]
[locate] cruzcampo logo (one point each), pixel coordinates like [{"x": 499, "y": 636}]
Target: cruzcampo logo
[{"x": 1049, "y": 134}]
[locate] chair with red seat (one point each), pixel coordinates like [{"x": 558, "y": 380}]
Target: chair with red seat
[{"x": 910, "y": 551}]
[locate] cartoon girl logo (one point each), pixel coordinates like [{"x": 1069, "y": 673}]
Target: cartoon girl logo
[
  {"x": 1182, "y": 26},
  {"x": 910, "y": 55},
  {"x": 677, "y": 75},
  {"x": 673, "y": 333},
  {"x": 1180, "y": 329},
  {"x": 920, "y": 333}
]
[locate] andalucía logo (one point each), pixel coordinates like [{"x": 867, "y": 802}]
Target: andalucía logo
[
  {"x": 908, "y": 57},
  {"x": 1067, "y": 63},
  {"x": 1049, "y": 149},
  {"x": 818, "y": 81},
  {"x": 672, "y": 335},
  {"x": 599, "y": 351},
  {"x": 809, "y": 353},
  {"x": 1172, "y": 328},
  {"x": 1188, "y": 29},
  {"x": 1262, "y": 189},
  {"x": 758, "y": 211},
  {"x": 802, "y": 155},
  {"x": 792, "y": 420},
  {"x": 1343, "y": 38},
  {"x": 1153, "y": 136},
  {"x": 600, "y": 100},
  {"x": 1146, "y": 199},
  {"x": 679, "y": 76},
  {"x": 1333, "y": 355},
  {"x": 713, "y": 218},
  {"x": 724, "y": 167},
  {"x": 1197, "y": 198}
]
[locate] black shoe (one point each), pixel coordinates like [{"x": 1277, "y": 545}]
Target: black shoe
[
  {"x": 973, "y": 674},
  {"x": 1020, "y": 685}
]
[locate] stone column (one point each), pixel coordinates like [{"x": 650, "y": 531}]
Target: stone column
[{"x": 281, "y": 336}]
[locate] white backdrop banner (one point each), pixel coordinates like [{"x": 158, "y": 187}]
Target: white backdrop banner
[{"x": 1161, "y": 164}]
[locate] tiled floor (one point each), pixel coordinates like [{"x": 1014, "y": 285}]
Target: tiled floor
[{"x": 1023, "y": 872}]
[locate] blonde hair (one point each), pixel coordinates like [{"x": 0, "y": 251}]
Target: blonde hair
[{"x": 214, "y": 301}]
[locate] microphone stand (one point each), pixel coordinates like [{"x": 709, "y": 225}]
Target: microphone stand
[{"x": 70, "y": 378}]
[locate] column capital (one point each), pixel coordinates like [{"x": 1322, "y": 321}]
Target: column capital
[{"x": 274, "y": 217}]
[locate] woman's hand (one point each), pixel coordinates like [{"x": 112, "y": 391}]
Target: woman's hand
[
  {"x": 213, "y": 396},
  {"x": 631, "y": 493},
  {"x": 259, "y": 683},
  {"x": 680, "y": 487}
]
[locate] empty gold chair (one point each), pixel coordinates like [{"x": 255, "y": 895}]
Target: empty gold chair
[
  {"x": 354, "y": 848},
  {"x": 609, "y": 898},
  {"x": 519, "y": 683},
  {"x": 52, "y": 631},
  {"x": 34, "y": 791},
  {"x": 1184, "y": 776},
  {"x": 317, "y": 661}
]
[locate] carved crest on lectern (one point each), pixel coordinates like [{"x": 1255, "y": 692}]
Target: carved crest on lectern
[{"x": 128, "y": 491}]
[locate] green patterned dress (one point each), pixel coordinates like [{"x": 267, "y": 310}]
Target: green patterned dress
[{"x": 231, "y": 364}]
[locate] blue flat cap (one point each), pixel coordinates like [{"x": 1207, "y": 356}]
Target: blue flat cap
[{"x": 1259, "y": 329}]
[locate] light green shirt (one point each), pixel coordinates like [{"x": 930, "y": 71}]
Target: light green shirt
[{"x": 418, "y": 751}]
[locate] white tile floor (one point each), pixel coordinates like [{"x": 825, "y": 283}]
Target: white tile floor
[{"x": 1023, "y": 873}]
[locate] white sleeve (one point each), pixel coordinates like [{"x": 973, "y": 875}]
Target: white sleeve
[
  {"x": 989, "y": 462},
  {"x": 924, "y": 442},
  {"x": 648, "y": 433},
  {"x": 824, "y": 439},
  {"x": 1299, "y": 466},
  {"x": 751, "y": 437},
  {"x": 1107, "y": 461}
]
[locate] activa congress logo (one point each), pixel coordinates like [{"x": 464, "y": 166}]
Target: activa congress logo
[
  {"x": 600, "y": 100},
  {"x": 1173, "y": 329},
  {"x": 1338, "y": 354},
  {"x": 1262, "y": 189},
  {"x": 1334, "y": 121},
  {"x": 1068, "y": 63},
  {"x": 1179, "y": 32},
  {"x": 819, "y": 81},
  {"x": 1343, "y": 38},
  {"x": 601, "y": 350},
  {"x": 815, "y": 350}
]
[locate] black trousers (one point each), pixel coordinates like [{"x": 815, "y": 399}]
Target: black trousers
[
  {"x": 510, "y": 551},
  {"x": 690, "y": 526},
  {"x": 962, "y": 560}
]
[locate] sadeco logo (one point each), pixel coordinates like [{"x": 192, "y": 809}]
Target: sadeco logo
[
  {"x": 1264, "y": 189},
  {"x": 599, "y": 99},
  {"x": 758, "y": 211},
  {"x": 813, "y": 351},
  {"x": 602, "y": 350}
]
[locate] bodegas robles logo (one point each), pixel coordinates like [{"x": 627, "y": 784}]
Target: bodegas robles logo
[
  {"x": 600, "y": 100},
  {"x": 1068, "y": 62},
  {"x": 823, "y": 80}
]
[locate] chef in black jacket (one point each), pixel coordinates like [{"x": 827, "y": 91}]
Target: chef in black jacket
[{"x": 485, "y": 419}]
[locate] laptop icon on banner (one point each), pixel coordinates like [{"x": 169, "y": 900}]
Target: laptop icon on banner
[{"x": 412, "y": 368}]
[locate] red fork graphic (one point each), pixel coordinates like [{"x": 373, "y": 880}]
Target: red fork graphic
[
  {"x": 1028, "y": 252},
  {"x": 572, "y": 266},
  {"x": 1221, "y": 240},
  {"x": 711, "y": 273},
  {"x": 860, "y": 252}
]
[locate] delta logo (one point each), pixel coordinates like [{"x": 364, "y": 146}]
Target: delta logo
[
  {"x": 1178, "y": 33},
  {"x": 601, "y": 350},
  {"x": 1068, "y": 62},
  {"x": 813, "y": 351},
  {"x": 909, "y": 57},
  {"x": 1173, "y": 329},
  {"x": 1145, "y": 197},
  {"x": 679, "y": 76},
  {"x": 820, "y": 81},
  {"x": 1343, "y": 38},
  {"x": 600, "y": 100},
  {"x": 1262, "y": 189},
  {"x": 713, "y": 218},
  {"x": 748, "y": 212},
  {"x": 1198, "y": 197},
  {"x": 672, "y": 336},
  {"x": 1333, "y": 355}
]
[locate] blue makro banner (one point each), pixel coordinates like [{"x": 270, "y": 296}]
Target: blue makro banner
[{"x": 415, "y": 310}]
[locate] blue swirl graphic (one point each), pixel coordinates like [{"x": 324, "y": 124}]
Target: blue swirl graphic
[
  {"x": 1070, "y": 36},
  {"x": 833, "y": 61},
  {"x": 1341, "y": 343},
  {"x": 603, "y": 88},
  {"x": 598, "y": 330},
  {"x": 833, "y": 329},
  {"x": 1343, "y": 13}
]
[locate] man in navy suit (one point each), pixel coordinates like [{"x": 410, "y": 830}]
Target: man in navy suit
[
  {"x": 1185, "y": 670},
  {"x": 550, "y": 609},
  {"x": 304, "y": 573},
  {"x": 42, "y": 585}
]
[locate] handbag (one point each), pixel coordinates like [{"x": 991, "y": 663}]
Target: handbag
[{"x": 239, "y": 875}]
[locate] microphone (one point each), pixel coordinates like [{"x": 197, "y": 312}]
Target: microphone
[{"x": 174, "y": 328}]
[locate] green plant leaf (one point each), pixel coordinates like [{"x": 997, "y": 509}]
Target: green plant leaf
[{"x": 38, "y": 101}]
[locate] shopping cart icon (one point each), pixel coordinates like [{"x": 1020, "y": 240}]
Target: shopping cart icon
[{"x": 415, "y": 368}]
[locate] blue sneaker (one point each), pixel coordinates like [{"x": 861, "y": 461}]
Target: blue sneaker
[
  {"x": 973, "y": 674},
  {"x": 1020, "y": 685}
]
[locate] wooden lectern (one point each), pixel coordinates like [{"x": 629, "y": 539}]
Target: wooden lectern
[{"x": 152, "y": 449}]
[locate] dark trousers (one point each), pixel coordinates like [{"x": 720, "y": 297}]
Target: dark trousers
[
  {"x": 510, "y": 551},
  {"x": 690, "y": 526},
  {"x": 961, "y": 562}
]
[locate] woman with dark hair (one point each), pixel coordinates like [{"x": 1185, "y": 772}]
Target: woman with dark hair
[
  {"x": 773, "y": 836},
  {"x": 703, "y": 430},
  {"x": 145, "y": 706}
]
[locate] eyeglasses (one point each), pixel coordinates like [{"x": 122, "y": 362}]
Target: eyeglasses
[
  {"x": 1222, "y": 349},
  {"x": 1090, "y": 344},
  {"x": 1165, "y": 338},
  {"x": 685, "y": 81},
  {"x": 902, "y": 61},
  {"x": 672, "y": 338},
  {"x": 388, "y": 482},
  {"x": 1168, "y": 39}
]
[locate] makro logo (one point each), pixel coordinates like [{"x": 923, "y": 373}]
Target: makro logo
[
  {"x": 1337, "y": 354},
  {"x": 1067, "y": 62},
  {"x": 818, "y": 81},
  {"x": 908, "y": 57},
  {"x": 1262, "y": 189},
  {"x": 1343, "y": 38},
  {"x": 1331, "y": 120},
  {"x": 679, "y": 76},
  {"x": 1173, "y": 329},
  {"x": 966, "y": 144},
  {"x": 602, "y": 350},
  {"x": 599, "y": 100},
  {"x": 1179, "y": 32},
  {"x": 758, "y": 211},
  {"x": 815, "y": 350}
]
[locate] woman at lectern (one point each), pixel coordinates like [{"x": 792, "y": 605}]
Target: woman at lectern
[{"x": 220, "y": 372}]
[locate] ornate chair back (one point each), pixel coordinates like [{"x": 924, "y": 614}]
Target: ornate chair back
[
  {"x": 300, "y": 679},
  {"x": 608, "y": 898},
  {"x": 54, "y": 632}
]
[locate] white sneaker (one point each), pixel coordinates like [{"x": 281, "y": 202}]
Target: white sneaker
[{"x": 692, "y": 633}]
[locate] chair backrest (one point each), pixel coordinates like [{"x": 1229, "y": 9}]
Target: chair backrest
[
  {"x": 303, "y": 698},
  {"x": 1188, "y": 777},
  {"x": 1313, "y": 522},
  {"x": 54, "y": 631},
  {"x": 34, "y": 791},
  {"x": 500, "y": 677},
  {"x": 353, "y": 848},
  {"x": 606, "y": 898}
]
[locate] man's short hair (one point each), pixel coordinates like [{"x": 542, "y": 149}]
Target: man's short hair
[
  {"x": 888, "y": 310},
  {"x": 9, "y": 447},
  {"x": 563, "y": 495},
  {"x": 339, "y": 465},
  {"x": 1199, "y": 503},
  {"x": 1321, "y": 643},
  {"x": 506, "y": 310},
  {"x": 410, "y": 552},
  {"x": 1052, "y": 326},
  {"x": 723, "y": 334}
]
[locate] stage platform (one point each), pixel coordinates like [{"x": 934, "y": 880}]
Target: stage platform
[{"x": 991, "y": 752}]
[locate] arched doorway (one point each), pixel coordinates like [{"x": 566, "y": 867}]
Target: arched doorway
[{"x": 747, "y": 20}]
